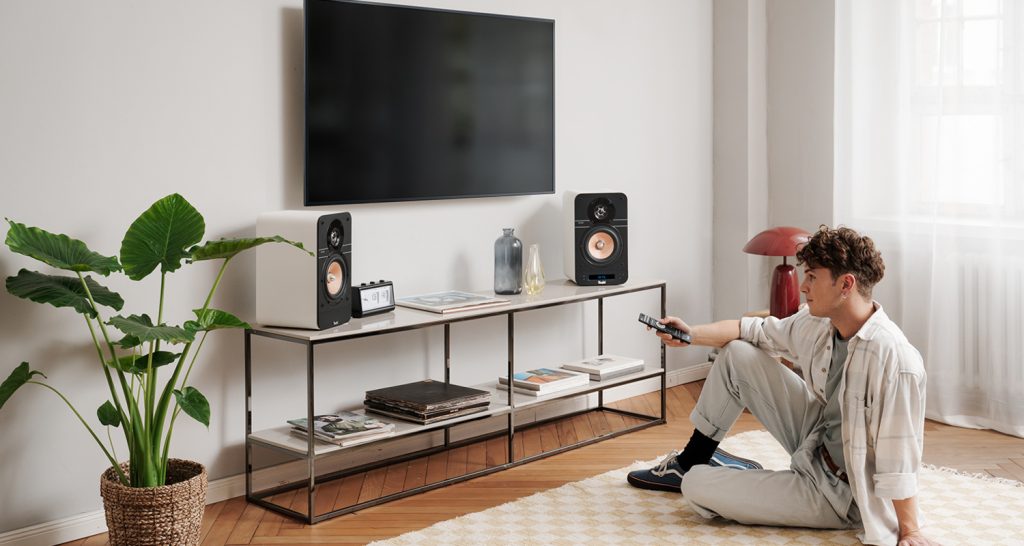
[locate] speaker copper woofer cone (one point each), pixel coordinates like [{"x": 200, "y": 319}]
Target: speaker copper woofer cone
[
  {"x": 334, "y": 278},
  {"x": 601, "y": 245}
]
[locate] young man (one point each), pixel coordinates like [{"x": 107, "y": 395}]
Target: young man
[{"x": 854, "y": 425}]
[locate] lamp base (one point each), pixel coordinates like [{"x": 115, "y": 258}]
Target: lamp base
[{"x": 785, "y": 294}]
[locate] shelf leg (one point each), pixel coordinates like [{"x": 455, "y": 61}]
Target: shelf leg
[
  {"x": 447, "y": 371},
  {"x": 600, "y": 343},
  {"x": 664, "y": 369},
  {"x": 248, "y": 413},
  {"x": 447, "y": 353},
  {"x": 310, "y": 453},
  {"x": 511, "y": 374}
]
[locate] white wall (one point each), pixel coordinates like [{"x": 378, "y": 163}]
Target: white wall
[
  {"x": 740, "y": 156},
  {"x": 107, "y": 106},
  {"x": 801, "y": 74},
  {"x": 773, "y": 141}
]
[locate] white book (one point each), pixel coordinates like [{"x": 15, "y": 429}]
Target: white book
[
  {"x": 531, "y": 392},
  {"x": 450, "y": 301},
  {"x": 602, "y": 365},
  {"x": 344, "y": 424},
  {"x": 346, "y": 442},
  {"x": 546, "y": 380}
]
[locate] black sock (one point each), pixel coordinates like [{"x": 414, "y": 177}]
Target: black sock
[{"x": 698, "y": 450}]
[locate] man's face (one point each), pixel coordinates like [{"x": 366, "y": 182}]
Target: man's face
[{"x": 822, "y": 293}]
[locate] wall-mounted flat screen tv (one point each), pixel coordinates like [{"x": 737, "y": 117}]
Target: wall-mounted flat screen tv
[{"x": 407, "y": 103}]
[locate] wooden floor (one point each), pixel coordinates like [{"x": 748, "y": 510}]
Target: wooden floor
[{"x": 236, "y": 522}]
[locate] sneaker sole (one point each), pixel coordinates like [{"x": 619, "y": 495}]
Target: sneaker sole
[
  {"x": 753, "y": 464},
  {"x": 653, "y": 486}
]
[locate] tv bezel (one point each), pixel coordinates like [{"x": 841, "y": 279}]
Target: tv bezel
[{"x": 305, "y": 113}]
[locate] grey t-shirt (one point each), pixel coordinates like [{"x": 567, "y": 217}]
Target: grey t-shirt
[{"x": 833, "y": 418}]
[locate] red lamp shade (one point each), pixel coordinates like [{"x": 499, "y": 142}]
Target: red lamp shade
[{"x": 781, "y": 241}]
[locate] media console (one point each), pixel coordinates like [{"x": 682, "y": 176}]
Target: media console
[{"x": 325, "y": 493}]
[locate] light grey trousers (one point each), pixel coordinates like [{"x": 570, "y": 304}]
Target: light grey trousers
[{"x": 806, "y": 495}]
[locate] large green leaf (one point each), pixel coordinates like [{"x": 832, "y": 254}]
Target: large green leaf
[
  {"x": 62, "y": 291},
  {"x": 21, "y": 375},
  {"x": 214, "y": 319},
  {"x": 193, "y": 403},
  {"x": 227, "y": 248},
  {"x": 136, "y": 364},
  {"x": 57, "y": 250},
  {"x": 108, "y": 415},
  {"x": 127, "y": 342},
  {"x": 142, "y": 328},
  {"x": 161, "y": 237}
]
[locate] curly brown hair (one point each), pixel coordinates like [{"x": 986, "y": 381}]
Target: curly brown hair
[{"x": 842, "y": 250}]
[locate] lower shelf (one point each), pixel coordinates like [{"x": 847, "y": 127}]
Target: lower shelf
[
  {"x": 281, "y": 437},
  {"x": 360, "y": 488}
]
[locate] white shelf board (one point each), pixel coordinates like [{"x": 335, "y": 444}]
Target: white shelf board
[
  {"x": 556, "y": 292},
  {"x": 282, "y": 437}
]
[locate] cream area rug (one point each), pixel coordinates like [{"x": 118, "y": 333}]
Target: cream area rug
[{"x": 959, "y": 508}]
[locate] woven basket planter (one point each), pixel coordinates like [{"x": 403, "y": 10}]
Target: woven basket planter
[{"x": 171, "y": 514}]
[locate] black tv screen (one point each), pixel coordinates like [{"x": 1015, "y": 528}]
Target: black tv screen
[{"x": 410, "y": 103}]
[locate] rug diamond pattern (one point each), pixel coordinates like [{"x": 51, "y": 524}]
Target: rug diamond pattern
[{"x": 958, "y": 509}]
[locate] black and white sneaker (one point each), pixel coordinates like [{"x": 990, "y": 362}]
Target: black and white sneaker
[
  {"x": 665, "y": 477},
  {"x": 668, "y": 474}
]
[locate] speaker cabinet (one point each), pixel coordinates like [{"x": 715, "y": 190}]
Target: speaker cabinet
[
  {"x": 595, "y": 250},
  {"x": 295, "y": 290}
]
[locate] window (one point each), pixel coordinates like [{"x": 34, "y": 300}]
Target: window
[{"x": 966, "y": 108}]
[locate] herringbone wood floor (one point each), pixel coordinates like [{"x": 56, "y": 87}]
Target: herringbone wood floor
[{"x": 236, "y": 522}]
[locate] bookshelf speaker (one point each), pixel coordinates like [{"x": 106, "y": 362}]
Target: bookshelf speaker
[
  {"x": 595, "y": 251},
  {"x": 295, "y": 290}
]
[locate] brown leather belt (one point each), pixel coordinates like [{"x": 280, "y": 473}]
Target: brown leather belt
[{"x": 831, "y": 465}]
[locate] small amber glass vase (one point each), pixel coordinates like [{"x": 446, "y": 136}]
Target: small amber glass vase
[{"x": 533, "y": 274}]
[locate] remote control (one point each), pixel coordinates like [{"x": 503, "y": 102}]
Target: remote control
[{"x": 672, "y": 331}]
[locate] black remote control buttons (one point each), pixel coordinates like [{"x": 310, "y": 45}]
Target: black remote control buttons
[{"x": 670, "y": 330}]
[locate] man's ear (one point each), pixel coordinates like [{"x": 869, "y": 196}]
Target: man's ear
[{"x": 849, "y": 282}]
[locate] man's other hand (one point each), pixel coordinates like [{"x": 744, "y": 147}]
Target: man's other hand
[{"x": 916, "y": 538}]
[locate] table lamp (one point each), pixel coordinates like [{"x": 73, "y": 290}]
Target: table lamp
[{"x": 781, "y": 241}]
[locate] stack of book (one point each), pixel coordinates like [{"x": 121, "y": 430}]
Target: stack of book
[
  {"x": 427, "y": 401},
  {"x": 345, "y": 428},
  {"x": 544, "y": 381},
  {"x": 603, "y": 367}
]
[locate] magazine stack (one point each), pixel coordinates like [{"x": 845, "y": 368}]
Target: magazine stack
[
  {"x": 345, "y": 428},
  {"x": 544, "y": 381},
  {"x": 603, "y": 367},
  {"x": 450, "y": 301},
  {"x": 425, "y": 402}
]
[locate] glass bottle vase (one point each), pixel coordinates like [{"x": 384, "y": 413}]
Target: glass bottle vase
[
  {"x": 508, "y": 263},
  {"x": 533, "y": 274}
]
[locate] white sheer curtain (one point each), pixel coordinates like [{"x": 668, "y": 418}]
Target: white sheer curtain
[{"x": 930, "y": 162}]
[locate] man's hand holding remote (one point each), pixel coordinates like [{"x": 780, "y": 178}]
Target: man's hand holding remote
[
  {"x": 674, "y": 322},
  {"x": 716, "y": 334}
]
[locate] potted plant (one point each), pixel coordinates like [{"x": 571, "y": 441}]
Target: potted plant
[{"x": 150, "y": 499}]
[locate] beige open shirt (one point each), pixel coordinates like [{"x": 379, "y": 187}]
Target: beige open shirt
[{"x": 883, "y": 397}]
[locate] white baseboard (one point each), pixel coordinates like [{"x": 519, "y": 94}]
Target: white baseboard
[
  {"x": 92, "y": 523},
  {"x": 673, "y": 378},
  {"x": 689, "y": 375},
  {"x": 58, "y": 531}
]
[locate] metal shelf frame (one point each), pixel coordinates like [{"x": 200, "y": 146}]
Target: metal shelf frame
[{"x": 312, "y": 481}]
